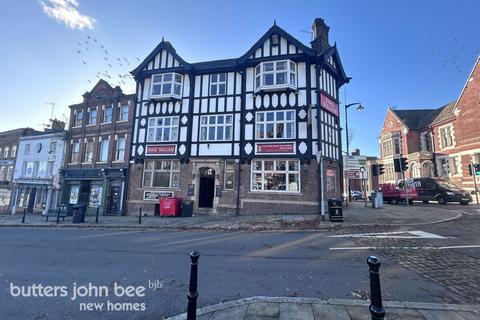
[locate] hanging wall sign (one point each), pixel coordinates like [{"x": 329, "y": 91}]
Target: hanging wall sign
[
  {"x": 162, "y": 150},
  {"x": 219, "y": 191},
  {"x": 191, "y": 190},
  {"x": 328, "y": 104}
]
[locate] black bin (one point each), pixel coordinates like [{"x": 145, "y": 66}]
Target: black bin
[
  {"x": 79, "y": 213},
  {"x": 335, "y": 211},
  {"x": 187, "y": 208}
]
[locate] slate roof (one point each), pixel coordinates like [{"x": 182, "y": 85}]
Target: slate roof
[{"x": 416, "y": 119}]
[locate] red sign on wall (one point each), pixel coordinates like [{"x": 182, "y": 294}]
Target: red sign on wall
[
  {"x": 328, "y": 104},
  {"x": 276, "y": 148},
  {"x": 170, "y": 149}
]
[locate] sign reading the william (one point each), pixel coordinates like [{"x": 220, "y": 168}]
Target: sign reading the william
[{"x": 170, "y": 149}]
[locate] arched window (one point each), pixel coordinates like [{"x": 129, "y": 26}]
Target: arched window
[
  {"x": 414, "y": 170},
  {"x": 427, "y": 168}
]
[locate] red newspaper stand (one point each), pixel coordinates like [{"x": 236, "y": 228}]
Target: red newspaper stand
[{"x": 170, "y": 207}]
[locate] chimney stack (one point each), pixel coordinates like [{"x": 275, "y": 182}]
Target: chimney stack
[{"x": 320, "y": 35}]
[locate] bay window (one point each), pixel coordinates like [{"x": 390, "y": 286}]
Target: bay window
[
  {"x": 276, "y": 175},
  {"x": 216, "y": 127},
  {"x": 161, "y": 173},
  {"x": 162, "y": 129},
  {"x": 275, "y": 125},
  {"x": 275, "y": 75},
  {"x": 166, "y": 85}
]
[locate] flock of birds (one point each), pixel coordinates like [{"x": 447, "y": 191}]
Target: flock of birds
[{"x": 113, "y": 69}]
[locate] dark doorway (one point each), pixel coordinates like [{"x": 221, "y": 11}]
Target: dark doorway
[
  {"x": 207, "y": 188},
  {"x": 31, "y": 200},
  {"x": 114, "y": 199}
]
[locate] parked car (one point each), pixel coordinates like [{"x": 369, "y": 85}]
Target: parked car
[
  {"x": 394, "y": 193},
  {"x": 356, "y": 195},
  {"x": 441, "y": 190}
]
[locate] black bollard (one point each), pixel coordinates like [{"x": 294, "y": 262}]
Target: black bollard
[
  {"x": 192, "y": 289},
  {"x": 376, "y": 308},
  {"x": 58, "y": 215},
  {"x": 24, "y": 213},
  {"x": 140, "y": 216},
  {"x": 96, "y": 217}
]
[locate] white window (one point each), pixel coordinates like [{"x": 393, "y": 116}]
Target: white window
[
  {"x": 162, "y": 129},
  {"x": 14, "y": 152},
  {"x": 10, "y": 173},
  {"x": 123, "y": 113},
  {"x": 218, "y": 83},
  {"x": 27, "y": 149},
  {"x": 103, "y": 152},
  {"x": 78, "y": 118},
  {"x": 216, "y": 127},
  {"x": 276, "y": 175},
  {"x": 275, "y": 74},
  {"x": 229, "y": 174},
  {"x": 36, "y": 166},
  {"x": 53, "y": 147},
  {"x": 166, "y": 85},
  {"x": 50, "y": 165},
  {"x": 5, "y": 152},
  {"x": 275, "y": 125},
  {"x": 120, "y": 149},
  {"x": 75, "y": 156},
  {"x": 446, "y": 136},
  {"x": 92, "y": 117},
  {"x": 3, "y": 171},
  {"x": 107, "y": 115},
  {"x": 161, "y": 173},
  {"x": 456, "y": 165},
  {"x": 88, "y": 151},
  {"x": 398, "y": 146}
]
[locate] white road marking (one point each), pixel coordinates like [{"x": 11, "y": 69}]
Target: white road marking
[
  {"x": 417, "y": 234},
  {"x": 407, "y": 248}
]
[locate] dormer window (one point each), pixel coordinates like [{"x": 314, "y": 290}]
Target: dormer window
[
  {"x": 275, "y": 75},
  {"x": 166, "y": 85}
]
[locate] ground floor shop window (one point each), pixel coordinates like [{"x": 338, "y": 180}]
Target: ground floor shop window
[
  {"x": 95, "y": 196},
  {"x": 229, "y": 174},
  {"x": 161, "y": 173},
  {"x": 276, "y": 175},
  {"x": 74, "y": 193}
]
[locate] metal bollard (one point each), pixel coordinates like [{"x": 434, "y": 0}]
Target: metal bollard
[
  {"x": 58, "y": 215},
  {"x": 24, "y": 213},
  {"x": 140, "y": 216},
  {"x": 192, "y": 290},
  {"x": 376, "y": 308},
  {"x": 96, "y": 217}
]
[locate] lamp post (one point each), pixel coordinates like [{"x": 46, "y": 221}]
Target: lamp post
[{"x": 359, "y": 108}]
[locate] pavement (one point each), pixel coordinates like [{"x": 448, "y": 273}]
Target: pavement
[
  {"x": 354, "y": 215},
  {"x": 287, "y": 308}
]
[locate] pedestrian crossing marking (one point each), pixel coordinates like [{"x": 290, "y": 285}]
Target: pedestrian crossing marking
[{"x": 416, "y": 234}]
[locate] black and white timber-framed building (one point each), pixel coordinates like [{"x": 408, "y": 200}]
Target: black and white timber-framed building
[{"x": 242, "y": 134}]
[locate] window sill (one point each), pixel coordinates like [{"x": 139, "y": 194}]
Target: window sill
[
  {"x": 282, "y": 87},
  {"x": 118, "y": 161},
  {"x": 87, "y": 162},
  {"x": 76, "y": 127},
  {"x": 293, "y": 193},
  {"x": 160, "y": 188},
  {"x": 165, "y": 97},
  {"x": 121, "y": 121},
  {"x": 91, "y": 125},
  {"x": 105, "y": 123},
  {"x": 101, "y": 162}
]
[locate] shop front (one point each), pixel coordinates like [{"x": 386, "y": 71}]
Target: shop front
[{"x": 96, "y": 188}]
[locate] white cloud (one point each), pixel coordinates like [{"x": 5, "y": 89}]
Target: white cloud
[{"x": 66, "y": 11}]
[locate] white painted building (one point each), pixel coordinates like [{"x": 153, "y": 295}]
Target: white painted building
[{"x": 36, "y": 176}]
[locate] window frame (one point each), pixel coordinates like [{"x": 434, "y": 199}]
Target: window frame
[
  {"x": 119, "y": 149},
  {"x": 121, "y": 113},
  {"x": 153, "y": 171},
  {"x": 173, "y": 83},
  {"x": 75, "y": 155},
  {"x": 162, "y": 128},
  {"x": 13, "y": 153},
  {"x": 100, "y": 149},
  {"x": 229, "y": 171},
  {"x": 87, "y": 151},
  {"x": 217, "y": 84},
  {"x": 26, "y": 151},
  {"x": 449, "y": 140},
  {"x": 260, "y": 71},
  {"x": 216, "y": 126},
  {"x": 287, "y": 173},
  {"x": 264, "y": 124},
  {"x": 6, "y": 152},
  {"x": 105, "y": 114},
  {"x": 90, "y": 122},
  {"x": 78, "y": 118}
]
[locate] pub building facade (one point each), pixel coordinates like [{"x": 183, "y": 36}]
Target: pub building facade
[
  {"x": 95, "y": 171},
  {"x": 242, "y": 134}
]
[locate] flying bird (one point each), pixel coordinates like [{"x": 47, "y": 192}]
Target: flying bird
[
  {"x": 78, "y": 51},
  {"x": 84, "y": 62}
]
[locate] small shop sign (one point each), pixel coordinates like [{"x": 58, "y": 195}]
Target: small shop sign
[
  {"x": 275, "y": 148},
  {"x": 156, "y": 195},
  {"x": 170, "y": 149}
]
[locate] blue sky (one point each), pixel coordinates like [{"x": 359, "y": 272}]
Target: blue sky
[{"x": 405, "y": 54}]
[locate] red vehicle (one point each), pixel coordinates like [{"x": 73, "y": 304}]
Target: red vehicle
[{"x": 394, "y": 193}]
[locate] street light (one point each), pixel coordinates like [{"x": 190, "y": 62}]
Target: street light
[{"x": 359, "y": 108}]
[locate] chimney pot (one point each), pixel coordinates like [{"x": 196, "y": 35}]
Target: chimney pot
[{"x": 320, "y": 35}]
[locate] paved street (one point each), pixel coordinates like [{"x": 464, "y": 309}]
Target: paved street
[{"x": 234, "y": 265}]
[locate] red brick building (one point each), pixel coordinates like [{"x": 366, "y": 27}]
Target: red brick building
[{"x": 436, "y": 142}]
